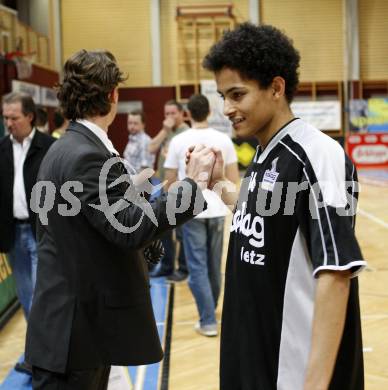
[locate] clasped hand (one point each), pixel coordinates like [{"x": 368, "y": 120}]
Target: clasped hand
[{"x": 204, "y": 165}]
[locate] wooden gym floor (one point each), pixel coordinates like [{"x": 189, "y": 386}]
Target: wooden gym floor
[{"x": 194, "y": 358}]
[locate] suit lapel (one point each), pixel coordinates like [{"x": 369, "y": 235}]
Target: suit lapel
[
  {"x": 36, "y": 144},
  {"x": 7, "y": 150}
]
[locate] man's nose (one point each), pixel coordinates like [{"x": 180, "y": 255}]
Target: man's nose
[{"x": 228, "y": 108}]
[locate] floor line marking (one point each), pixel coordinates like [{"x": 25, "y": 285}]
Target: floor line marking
[
  {"x": 374, "y": 316},
  {"x": 378, "y": 295},
  {"x": 373, "y": 218}
]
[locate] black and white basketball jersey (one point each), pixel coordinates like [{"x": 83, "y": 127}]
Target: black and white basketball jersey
[{"x": 294, "y": 218}]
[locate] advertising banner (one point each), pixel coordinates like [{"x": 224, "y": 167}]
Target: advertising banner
[
  {"x": 7, "y": 284},
  {"x": 48, "y": 97},
  {"x": 369, "y": 150},
  {"x": 324, "y": 115},
  {"x": 128, "y": 106},
  {"x": 378, "y": 115},
  {"x": 358, "y": 115},
  {"x": 30, "y": 89}
]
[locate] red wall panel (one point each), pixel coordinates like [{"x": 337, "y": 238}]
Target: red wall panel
[{"x": 153, "y": 99}]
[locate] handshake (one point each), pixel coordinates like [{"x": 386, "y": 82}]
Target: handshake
[{"x": 205, "y": 166}]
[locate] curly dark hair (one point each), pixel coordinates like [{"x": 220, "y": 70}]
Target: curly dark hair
[
  {"x": 59, "y": 119},
  {"x": 89, "y": 78},
  {"x": 258, "y": 53}
]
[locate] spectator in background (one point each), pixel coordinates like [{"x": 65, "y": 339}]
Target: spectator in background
[
  {"x": 21, "y": 153},
  {"x": 136, "y": 152},
  {"x": 41, "y": 121},
  {"x": 60, "y": 123},
  {"x": 203, "y": 235},
  {"x": 173, "y": 125}
]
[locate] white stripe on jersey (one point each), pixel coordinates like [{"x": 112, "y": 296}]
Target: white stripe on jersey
[
  {"x": 358, "y": 265},
  {"x": 291, "y": 151},
  {"x": 330, "y": 175},
  {"x": 327, "y": 159},
  {"x": 319, "y": 219},
  {"x": 352, "y": 210},
  {"x": 297, "y": 319}
]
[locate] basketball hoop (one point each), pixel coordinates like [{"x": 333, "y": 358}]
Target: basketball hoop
[
  {"x": 23, "y": 62},
  {"x": 24, "y": 66}
]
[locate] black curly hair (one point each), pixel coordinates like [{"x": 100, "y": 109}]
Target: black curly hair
[
  {"x": 89, "y": 78},
  {"x": 258, "y": 53}
]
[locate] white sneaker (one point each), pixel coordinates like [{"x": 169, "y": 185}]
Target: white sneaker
[{"x": 206, "y": 330}]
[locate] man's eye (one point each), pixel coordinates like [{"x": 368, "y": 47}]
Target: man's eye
[{"x": 237, "y": 95}]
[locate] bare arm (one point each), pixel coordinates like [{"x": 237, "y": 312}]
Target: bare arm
[
  {"x": 231, "y": 173},
  {"x": 224, "y": 180},
  {"x": 171, "y": 175},
  {"x": 331, "y": 300},
  {"x": 155, "y": 142}
]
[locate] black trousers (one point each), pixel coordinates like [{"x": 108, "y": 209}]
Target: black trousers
[{"x": 94, "y": 379}]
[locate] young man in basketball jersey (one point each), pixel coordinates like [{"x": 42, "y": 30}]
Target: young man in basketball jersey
[{"x": 291, "y": 318}]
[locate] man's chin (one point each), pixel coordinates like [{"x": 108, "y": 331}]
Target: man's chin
[{"x": 243, "y": 133}]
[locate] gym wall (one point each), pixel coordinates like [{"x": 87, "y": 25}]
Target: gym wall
[
  {"x": 121, "y": 26},
  {"x": 169, "y": 31},
  {"x": 124, "y": 28},
  {"x": 316, "y": 29},
  {"x": 373, "y": 27}
]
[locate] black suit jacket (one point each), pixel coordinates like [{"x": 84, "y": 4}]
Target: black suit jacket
[
  {"x": 92, "y": 301},
  {"x": 40, "y": 143}
]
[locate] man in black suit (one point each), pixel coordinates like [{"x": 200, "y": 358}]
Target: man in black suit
[
  {"x": 21, "y": 153},
  {"x": 92, "y": 305}
]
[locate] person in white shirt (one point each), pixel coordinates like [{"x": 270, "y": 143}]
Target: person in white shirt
[{"x": 203, "y": 236}]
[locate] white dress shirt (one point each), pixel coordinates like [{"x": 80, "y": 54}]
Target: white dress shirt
[
  {"x": 20, "y": 150},
  {"x": 100, "y": 133}
]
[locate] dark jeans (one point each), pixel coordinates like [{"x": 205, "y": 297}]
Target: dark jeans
[{"x": 94, "y": 379}]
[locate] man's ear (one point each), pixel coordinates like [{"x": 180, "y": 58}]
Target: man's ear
[
  {"x": 114, "y": 96},
  {"x": 278, "y": 87},
  {"x": 30, "y": 117}
]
